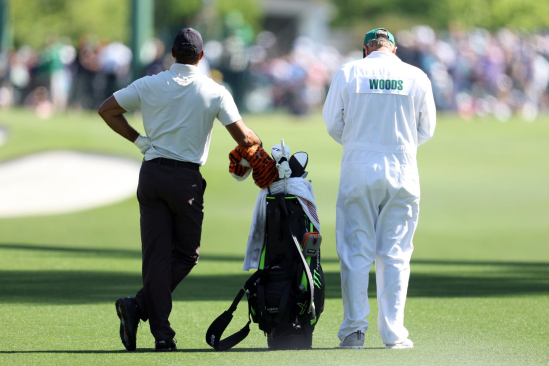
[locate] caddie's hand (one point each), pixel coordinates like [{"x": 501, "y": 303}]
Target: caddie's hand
[
  {"x": 238, "y": 166},
  {"x": 143, "y": 143},
  {"x": 264, "y": 167}
]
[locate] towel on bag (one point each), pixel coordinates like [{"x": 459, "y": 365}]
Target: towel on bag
[{"x": 299, "y": 187}]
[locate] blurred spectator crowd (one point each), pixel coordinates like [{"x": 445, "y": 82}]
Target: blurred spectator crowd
[
  {"x": 473, "y": 72},
  {"x": 62, "y": 76},
  {"x": 478, "y": 73}
]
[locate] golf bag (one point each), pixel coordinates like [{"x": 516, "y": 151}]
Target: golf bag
[{"x": 286, "y": 294}]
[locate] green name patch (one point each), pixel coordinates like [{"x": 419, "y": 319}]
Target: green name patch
[{"x": 386, "y": 84}]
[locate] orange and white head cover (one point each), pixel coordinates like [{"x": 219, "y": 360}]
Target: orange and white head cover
[{"x": 263, "y": 166}]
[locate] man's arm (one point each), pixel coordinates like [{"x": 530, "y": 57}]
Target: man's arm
[
  {"x": 427, "y": 115},
  {"x": 333, "y": 111},
  {"x": 243, "y": 135},
  {"x": 113, "y": 114}
]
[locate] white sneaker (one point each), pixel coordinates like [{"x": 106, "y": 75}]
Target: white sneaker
[
  {"x": 407, "y": 343},
  {"x": 354, "y": 340}
]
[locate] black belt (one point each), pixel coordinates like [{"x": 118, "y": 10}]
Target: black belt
[{"x": 174, "y": 163}]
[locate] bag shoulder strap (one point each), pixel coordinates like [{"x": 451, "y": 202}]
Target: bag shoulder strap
[{"x": 218, "y": 326}]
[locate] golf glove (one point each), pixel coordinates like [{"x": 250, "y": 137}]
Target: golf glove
[
  {"x": 143, "y": 143},
  {"x": 284, "y": 170}
]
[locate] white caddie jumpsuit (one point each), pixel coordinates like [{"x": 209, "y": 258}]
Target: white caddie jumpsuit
[{"x": 380, "y": 109}]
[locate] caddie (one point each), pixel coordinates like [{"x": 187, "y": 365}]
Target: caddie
[
  {"x": 380, "y": 109},
  {"x": 178, "y": 107}
]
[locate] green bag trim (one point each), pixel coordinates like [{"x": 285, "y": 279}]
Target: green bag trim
[
  {"x": 288, "y": 198},
  {"x": 304, "y": 275},
  {"x": 316, "y": 279},
  {"x": 262, "y": 261}
]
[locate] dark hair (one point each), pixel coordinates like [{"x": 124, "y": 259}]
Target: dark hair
[{"x": 186, "y": 55}]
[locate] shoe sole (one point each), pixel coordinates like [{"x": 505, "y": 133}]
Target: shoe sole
[
  {"x": 398, "y": 347},
  {"x": 127, "y": 336},
  {"x": 166, "y": 349}
]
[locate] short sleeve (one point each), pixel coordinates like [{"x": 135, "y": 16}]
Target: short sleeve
[
  {"x": 228, "y": 112},
  {"x": 129, "y": 98}
]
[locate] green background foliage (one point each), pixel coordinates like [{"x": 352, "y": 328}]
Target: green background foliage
[
  {"x": 36, "y": 20},
  {"x": 250, "y": 10},
  {"x": 400, "y": 14},
  {"x": 169, "y": 13}
]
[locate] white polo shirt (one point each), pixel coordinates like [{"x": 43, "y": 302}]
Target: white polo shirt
[
  {"x": 179, "y": 107},
  {"x": 380, "y": 104}
]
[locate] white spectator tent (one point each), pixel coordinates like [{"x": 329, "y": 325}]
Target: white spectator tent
[{"x": 289, "y": 19}]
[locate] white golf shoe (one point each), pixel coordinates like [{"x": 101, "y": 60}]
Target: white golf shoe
[
  {"x": 354, "y": 340},
  {"x": 407, "y": 343}
]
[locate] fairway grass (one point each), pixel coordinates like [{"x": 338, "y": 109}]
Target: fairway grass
[{"x": 479, "y": 288}]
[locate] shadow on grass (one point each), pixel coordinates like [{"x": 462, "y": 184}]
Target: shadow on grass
[
  {"x": 84, "y": 287},
  {"x": 139, "y": 350},
  {"x": 150, "y": 350},
  {"x": 206, "y": 257},
  {"x": 430, "y": 278},
  {"x": 94, "y": 252},
  {"x": 190, "y": 350},
  {"x": 117, "y": 253},
  {"x": 64, "y": 351}
]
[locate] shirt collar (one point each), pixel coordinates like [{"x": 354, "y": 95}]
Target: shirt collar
[
  {"x": 382, "y": 54},
  {"x": 184, "y": 69}
]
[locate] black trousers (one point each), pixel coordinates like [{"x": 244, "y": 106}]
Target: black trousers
[{"x": 171, "y": 200}]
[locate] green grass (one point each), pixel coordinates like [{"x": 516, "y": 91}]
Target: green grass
[{"x": 479, "y": 290}]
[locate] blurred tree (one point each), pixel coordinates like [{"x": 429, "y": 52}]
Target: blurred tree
[
  {"x": 175, "y": 13},
  {"x": 490, "y": 14},
  {"x": 35, "y": 20},
  {"x": 357, "y": 12},
  {"x": 250, "y": 10},
  {"x": 207, "y": 16},
  {"x": 6, "y": 36},
  {"x": 526, "y": 14}
]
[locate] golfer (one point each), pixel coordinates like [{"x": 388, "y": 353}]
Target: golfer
[
  {"x": 380, "y": 109},
  {"x": 178, "y": 107}
]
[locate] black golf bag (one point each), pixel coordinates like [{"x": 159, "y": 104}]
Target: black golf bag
[{"x": 286, "y": 294}]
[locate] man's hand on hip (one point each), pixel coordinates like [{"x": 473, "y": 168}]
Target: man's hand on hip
[{"x": 143, "y": 143}]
